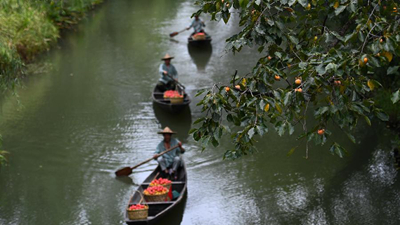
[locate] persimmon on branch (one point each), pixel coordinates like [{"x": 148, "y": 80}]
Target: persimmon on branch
[{"x": 341, "y": 66}]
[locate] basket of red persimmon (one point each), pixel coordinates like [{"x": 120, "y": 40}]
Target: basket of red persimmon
[
  {"x": 161, "y": 182},
  {"x": 173, "y": 96},
  {"x": 138, "y": 212},
  {"x": 156, "y": 194},
  {"x": 199, "y": 36}
]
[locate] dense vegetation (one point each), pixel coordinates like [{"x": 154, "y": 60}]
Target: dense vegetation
[
  {"x": 28, "y": 27},
  {"x": 325, "y": 64}
]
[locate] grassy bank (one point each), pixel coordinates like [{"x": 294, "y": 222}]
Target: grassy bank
[{"x": 29, "y": 27}]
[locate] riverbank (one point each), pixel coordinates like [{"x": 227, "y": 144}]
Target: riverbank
[{"x": 29, "y": 27}]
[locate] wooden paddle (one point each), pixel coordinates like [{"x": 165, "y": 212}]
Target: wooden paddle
[
  {"x": 177, "y": 82},
  {"x": 173, "y": 34},
  {"x": 126, "y": 171}
]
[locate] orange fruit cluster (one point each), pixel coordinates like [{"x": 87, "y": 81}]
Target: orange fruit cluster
[
  {"x": 172, "y": 94},
  {"x": 297, "y": 81},
  {"x": 137, "y": 207},
  {"x": 160, "y": 182},
  {"x": 155, "y": 190},
  {"x": 337, "y": 82}
]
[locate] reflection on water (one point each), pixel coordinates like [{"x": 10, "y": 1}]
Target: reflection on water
[
  {"x": 178, "y": 122},
  {"x": 200, "y": 55},
  {"x": 175, "y": 215},
  {"x": 371, "y": 196}
]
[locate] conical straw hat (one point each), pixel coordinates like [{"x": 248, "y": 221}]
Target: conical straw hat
[
  {"x": 167, "y": 56},
  {"x": 166, "y": 130}
]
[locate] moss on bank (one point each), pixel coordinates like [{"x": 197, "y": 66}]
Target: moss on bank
[{"x": 28, "y": 27}]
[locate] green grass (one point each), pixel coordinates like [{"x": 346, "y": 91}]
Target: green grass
[{"x": 29, "y": 27}]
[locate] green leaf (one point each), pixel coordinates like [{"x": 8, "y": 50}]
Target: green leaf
[
  {"x": 337, "y": 149},
  {"x": 281, "y": 129},
  {"x": 229, "y": 117},
  {"x": 294, "y": 40},
  {"x": 303, "y": 65},
  {"x": 303, "y": 2},
  {"x": 291, "y": 2},
  {"x": 392, "y": 70},
  {"x": 374, "y": 62},
  {"x": 372, "y": 84},
  {"x": 351, "y": 137},
  {"x": 395, "y": 97},
  {"x": 349, "y": 36},
  {"x": 251, "y": 133},
  {"x": 260, "y": 29},
  {"x": 278, "y": 108},
  {"x": 196, "y": 136},
  {"x": 321, "y": 111},
  {"x": 287, "y": 98},
  {"x": 192, "y": 130},
  {"x": 320, "y": 69},
  {"x": 214, "y": 142},
  {"x": 243, "y": 3},
  {"x": 291, "y": 128},
  {"x": 200, "y": 92},
  {"x": 198, "y": 120},
  {"x": 340, "y": 9},
  {"x": 331, "y": 66},
  {"x": 339, "y": 152},
  {"x": 367, "y": 120},
  {"x": 225, "y": 16},
  {"x": 291, "y": 151},
  {"x": 382, "y": 116}
]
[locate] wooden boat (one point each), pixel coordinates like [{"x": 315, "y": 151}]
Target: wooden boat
[
  {"x": 206, "y": 41},
  {"x": 158, "y": 210},
  {"x": 158, "y": 98}
]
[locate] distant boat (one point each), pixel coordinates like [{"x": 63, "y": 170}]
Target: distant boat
[
  {"x": 158, "y": 98},
  {"x": 158, "y": 210},
  {"x": 201, "y": 39}
]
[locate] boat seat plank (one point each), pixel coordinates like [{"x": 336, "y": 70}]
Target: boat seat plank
[{"x": 160, "y": 203}]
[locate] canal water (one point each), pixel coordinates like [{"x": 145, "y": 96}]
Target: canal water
[{"x": 88, "y": 112}]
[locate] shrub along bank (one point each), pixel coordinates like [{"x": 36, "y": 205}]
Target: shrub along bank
[{"x": 28, "y": 27}]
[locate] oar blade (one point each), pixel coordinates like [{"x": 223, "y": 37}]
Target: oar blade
[
  {"x": 124, "y": 172},
  {"x": 173, "y": 34}
]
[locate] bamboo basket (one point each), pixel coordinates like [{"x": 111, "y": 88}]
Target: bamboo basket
[
  {"x": 156, "y": 198},
  {"x": 139, "y": 214},
  {"x": 176, "y": 100},
  {"x": 168, "y": 186},
  {"x": 199, "y": 36}
]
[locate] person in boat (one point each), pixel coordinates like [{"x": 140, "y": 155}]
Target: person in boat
[
  {"x": 170, "y": 161},
  {"x": 168, "y": 73},
  {"x": 197, "y": 25}
]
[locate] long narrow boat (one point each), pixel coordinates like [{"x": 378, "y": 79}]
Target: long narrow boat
[
  {"x": 194, "y": 42},
  {"x": 157, "y": 210},
  {"x": 158, "y": 98}
]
